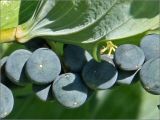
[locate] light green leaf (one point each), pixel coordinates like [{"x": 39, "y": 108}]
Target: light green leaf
[
  {"x": 9, "y": 13},
  {"x": 154, "y": 31},
  {"x": 149, "y": 109}
]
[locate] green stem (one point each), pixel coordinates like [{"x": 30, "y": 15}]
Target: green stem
[
  {"x": 55, "y": 47},
  {"x": 18, "y": 33},
  {"x": 8, "y": 35}
]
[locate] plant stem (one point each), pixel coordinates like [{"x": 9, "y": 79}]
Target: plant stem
[
  {"x": 18, "y": 34},
  {"x": 54, "y": 46},
  {"x": 8, "y": 35}
]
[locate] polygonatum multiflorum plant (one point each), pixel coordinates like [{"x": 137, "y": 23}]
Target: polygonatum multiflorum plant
[{"x": 69, "y": 48}]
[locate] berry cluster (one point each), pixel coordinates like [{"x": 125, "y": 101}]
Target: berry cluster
[{"x": 81, "y": 74}]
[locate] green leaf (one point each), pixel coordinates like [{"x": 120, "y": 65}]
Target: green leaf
[
  {"x": 86, "y": 22},
  {"x": 122, "y": 102},
  {"x": 9, "y": 14},
  {"x": 148, "y": 107},
  {"x": 109, "y": 17},
  {"x": 8, "y": 48},
  {"x": 154, "y": 31}
]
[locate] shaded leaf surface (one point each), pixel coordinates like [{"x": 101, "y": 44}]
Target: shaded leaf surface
[{"x": 86, "y": 22}]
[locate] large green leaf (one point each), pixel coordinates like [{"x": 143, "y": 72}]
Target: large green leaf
[
  {"x": 99, "y": 18},
  {"x": 86, "y": 22}
]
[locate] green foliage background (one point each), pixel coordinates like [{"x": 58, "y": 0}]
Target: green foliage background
[{"x": 120, "y": 102}]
